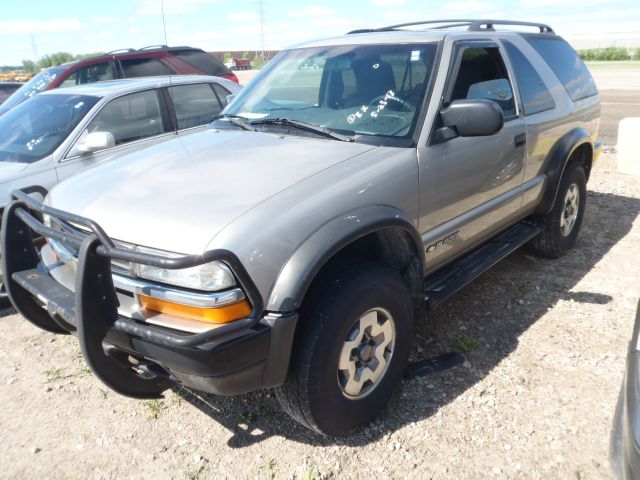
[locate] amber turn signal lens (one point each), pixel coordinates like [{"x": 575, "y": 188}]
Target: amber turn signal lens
[{"x": 226, "y": 314}]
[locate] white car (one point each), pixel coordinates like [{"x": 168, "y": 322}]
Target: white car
[{"x": 61, "y": 132}]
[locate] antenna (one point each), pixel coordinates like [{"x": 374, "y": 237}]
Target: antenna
[
  {"x": 261, "y": 7},
  {"x": 166, "y": 42}
]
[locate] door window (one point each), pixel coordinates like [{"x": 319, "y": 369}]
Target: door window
[
  {"x": 482, "y": 74},
  {"x": 131, "y": 117},
  {"x": 194, "y": 104},
  {"x": 90, "y": 74},
  {"x": 222, "y": 94}
]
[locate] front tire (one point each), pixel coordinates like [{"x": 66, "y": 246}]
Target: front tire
[
  {"x": 351, "y": 350},
  {"x": 561, "y": 226}
]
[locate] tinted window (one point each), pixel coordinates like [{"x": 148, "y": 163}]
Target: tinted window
[
  {"x": 194, "y": 104},
  {"x": 130, "y": 117},
  {"x": 482, "y": 74},
  {"x": 202, "y": 61},
  {"x": 222, "y": 94},
  {"x": 144, "y": 67},
  {"x": 567, "y": 65},
  {"x": 90, "y": 74},
  {"x": 35, "y": 128},
  {"x": 535, "y": 95},
  {"x": 6, "y": 90}
]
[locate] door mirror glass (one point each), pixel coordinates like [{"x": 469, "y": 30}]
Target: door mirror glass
[
  {"x": 96, "y": 141},
  {"x": 470, "y": 118}
]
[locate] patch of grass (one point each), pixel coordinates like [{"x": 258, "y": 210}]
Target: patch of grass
[
  {"x": 465, "y": 343},
  {"x": 104, "y": 393},
  {"x": 194, "y": 472},
  {"x": 270, "y": 467},
  {"x": 311, "y": 474},
  {"x": 54, "y": 373},
  {"x": 154, "y": 407},
  {"x": 248, "y": 417}
]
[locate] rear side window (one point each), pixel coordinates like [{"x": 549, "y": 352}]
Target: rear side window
[
  {"x": 90, "y": 74},
  {"x": 535, "y": 95},
  {"x": 202, "y": 61},
  {"x": 144, "y": 67},
  {"x": 194, "y": 104},
  {"x": 567, "y": 65}
]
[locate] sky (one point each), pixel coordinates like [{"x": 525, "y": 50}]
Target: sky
[{"x": 31, "y": 29}]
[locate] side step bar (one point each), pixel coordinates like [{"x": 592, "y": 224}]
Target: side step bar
[{"x": 448, "y": 280}]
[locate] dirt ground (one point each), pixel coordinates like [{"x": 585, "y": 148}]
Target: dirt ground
[{"x": 546, "y": 344}]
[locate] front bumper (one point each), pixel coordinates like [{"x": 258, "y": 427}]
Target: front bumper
[{"x": 132, "y": 357}]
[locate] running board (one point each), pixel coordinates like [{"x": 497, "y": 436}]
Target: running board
[{"x": 448, "y": 280}]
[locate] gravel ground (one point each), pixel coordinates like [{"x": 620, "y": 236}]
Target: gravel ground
[{"x": 546, "y": 347}]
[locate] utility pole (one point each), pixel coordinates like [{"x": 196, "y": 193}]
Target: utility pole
[
  {"x": 33, "y": 47},
  {"x": 261, "y": 12}
]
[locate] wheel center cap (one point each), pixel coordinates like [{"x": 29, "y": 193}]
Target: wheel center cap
[{"x": 366, "y": 352}]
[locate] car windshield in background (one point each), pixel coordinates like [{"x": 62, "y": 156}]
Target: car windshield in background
[
  {"x": 37, "y": 84},
  {"x": 34, "y": 129},
  {"x": 351, "y": 89}
]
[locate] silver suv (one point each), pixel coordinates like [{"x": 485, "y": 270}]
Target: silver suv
[{"x": 297, "y": 242}]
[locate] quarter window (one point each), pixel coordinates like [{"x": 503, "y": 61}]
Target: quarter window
[
  {"x": 535, "y": 95},
  {"x": 482, "y": 74},
  {"x": 194, "y": 104},
  {"x": 567, "y": 65},
  {"x": 222, "y": 94},
  {"x": 144, "y": 67}
]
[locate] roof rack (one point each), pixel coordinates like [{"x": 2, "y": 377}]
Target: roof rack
[
  {"x": 120, "y": 50},
  {"x": 474, "y": 25},
  {"x": 154, "y": 47}
]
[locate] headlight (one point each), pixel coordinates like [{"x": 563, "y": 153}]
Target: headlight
[{"x": 209, "y": 277}]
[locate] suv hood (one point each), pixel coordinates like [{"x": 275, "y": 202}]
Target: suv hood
[{"x": 177, "y": 195}]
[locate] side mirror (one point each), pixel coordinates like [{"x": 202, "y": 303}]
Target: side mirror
[
  {"x": 470, "y": 118},
  {"x": 230, "y": 97},
  {"x": 95, "y": 141}
]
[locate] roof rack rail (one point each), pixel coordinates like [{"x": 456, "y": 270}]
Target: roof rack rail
[
  {"x": 120, "y": 50},
  {"x": 473, "y": 24},
  {"x": 154, "y": 47}
]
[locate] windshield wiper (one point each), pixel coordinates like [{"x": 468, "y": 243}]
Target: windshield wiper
[
  {"x": 237, "y": 120},
  {"x": 286, "y": 122}
]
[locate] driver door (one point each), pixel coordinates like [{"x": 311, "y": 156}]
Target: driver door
[{"x": 470, "y": 185}]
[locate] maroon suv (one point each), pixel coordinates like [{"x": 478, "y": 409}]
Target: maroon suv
[{"x": 127, "y": 63}]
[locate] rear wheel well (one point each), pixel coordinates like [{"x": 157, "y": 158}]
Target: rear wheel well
[
  {"x": 584, "y": 155},
  {"x": 393, "y": 248}
]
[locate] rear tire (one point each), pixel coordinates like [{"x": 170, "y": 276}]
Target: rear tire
[
  {"x": 351, "y": 348},
  {"x": 561, "y": 226}
]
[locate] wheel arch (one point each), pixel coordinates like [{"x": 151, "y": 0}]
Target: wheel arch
[
  {"x": 575, "y": 144},
  {"x": 380, "y": 233}
]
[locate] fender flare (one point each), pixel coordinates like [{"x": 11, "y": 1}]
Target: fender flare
[
  {"x": 303, "y": 265},
  {"x": 556, "y": 162}
]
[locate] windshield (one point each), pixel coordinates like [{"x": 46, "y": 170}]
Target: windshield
[
  {"x": 34, "y": 129},
  {"x": 37, "y": 84},
  {"x": 352, "y": 89}
]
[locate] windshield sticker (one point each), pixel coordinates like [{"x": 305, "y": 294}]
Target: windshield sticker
[
  {"x": 415, "y": 55},
  {"x": 382, "y": 103}
]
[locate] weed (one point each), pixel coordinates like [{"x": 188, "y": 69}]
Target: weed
[
  {"x": 270, "y": 466},
  {"x": 195, "y": 471},
  {"x": 466, "y": 343},
  {"x": 54, "y": 373},
  {"x": 155, "y": 407},
  {"x": 311, "y": 474},
  {"x": 248, "y": 417}
]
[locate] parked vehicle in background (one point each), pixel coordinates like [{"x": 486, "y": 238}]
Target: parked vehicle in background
[
  {"x": 60, "y": 132},
  {"x": 625, "y": 435},
  {"x": 238, "y": 64},
  {"x": 126, "y": 63},
  {"x": 7, "y": 89},
  {"x": 298, "y": 245}
]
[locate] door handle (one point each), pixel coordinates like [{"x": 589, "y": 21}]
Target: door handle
[{"x": 520, "y": 140}]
